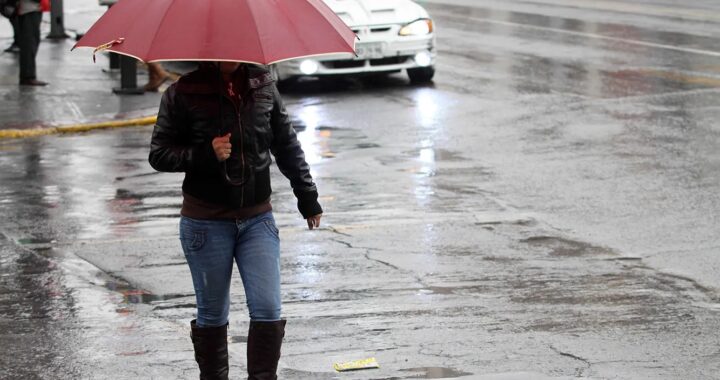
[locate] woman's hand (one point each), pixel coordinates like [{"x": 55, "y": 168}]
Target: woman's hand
[
  {"x": 222, "y": 147},
  {"x": 314, "y": 221}
]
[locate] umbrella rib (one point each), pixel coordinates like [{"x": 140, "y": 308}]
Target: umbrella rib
[
  {"x": 252, "y": 17},
  {"x": 291, "y": 21},
  {"x": 160, "y": 24},
  {"x": 327, "y": 7}
]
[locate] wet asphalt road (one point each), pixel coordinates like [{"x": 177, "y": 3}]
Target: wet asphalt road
[{"x": 546, "y": 209}]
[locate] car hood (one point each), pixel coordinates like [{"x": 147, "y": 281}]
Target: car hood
[{"x": 376, "y": 12}]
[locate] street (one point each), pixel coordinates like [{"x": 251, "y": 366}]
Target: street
[{"x": 546, "y": 209}]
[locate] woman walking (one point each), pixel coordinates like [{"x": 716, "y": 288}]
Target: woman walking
[{"x": 219, "y": 125}]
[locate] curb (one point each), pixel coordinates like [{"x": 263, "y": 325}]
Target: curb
[{"x": 77, "y": 128}]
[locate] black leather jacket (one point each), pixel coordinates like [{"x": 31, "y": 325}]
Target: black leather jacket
[{"x": 189, "y": 119}]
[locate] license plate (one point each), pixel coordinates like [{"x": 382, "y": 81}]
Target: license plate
[{"x": 372, "y": 50}]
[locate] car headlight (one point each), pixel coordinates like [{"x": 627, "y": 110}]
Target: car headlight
[
  {"x": 423, "y": 59},
  {"x": 309, "y": 67},
  {"x": 417, "y": 28}
]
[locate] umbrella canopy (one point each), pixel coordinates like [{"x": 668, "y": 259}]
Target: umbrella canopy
[{"x": 253, "y": 31}]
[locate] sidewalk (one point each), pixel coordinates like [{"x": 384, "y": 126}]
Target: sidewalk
[{"x": 79, "y": 92}]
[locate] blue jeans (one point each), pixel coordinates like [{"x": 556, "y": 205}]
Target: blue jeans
[{"x": 211, "y": 247}]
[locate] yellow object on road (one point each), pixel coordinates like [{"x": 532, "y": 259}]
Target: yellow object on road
[
  {"x": 22, "y": 133},
  {"x": 356, "y": 365}
]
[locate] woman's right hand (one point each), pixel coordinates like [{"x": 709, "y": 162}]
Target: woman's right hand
[{"x": 222, "y": 147}]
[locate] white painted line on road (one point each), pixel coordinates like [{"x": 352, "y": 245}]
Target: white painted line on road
[
  {"x": 710, "y": 53},
  {"x": 684, "y": 12},
  {"x": 650, "y": 97},
  {"x": 77, "y": 113}
]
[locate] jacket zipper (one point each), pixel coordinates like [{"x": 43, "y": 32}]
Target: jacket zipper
[
  {"x": 242, "y": 155},
  {"x": 242, "y": 145}
]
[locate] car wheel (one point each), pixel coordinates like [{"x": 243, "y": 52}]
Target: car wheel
[{"x": 421, "y": 74}]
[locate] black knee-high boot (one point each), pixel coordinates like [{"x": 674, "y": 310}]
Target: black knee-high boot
[
  {"x": 211, "y": 351},
  {"x": 263, "y": 349}
]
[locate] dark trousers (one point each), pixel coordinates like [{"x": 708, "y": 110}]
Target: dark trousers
[
  {"x": 16, "y": 30},
  {"x": 29, "y": 38}
]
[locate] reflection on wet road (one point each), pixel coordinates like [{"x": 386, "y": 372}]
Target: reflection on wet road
[{"x": 545, "y": 209}]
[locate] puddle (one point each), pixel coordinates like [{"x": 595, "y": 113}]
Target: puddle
[
  {"x": 367, "y": 146},
  {"x": 36, "y": 243},
  {"x": 34, "y": 240},
  {"x": 435, "y": 155},
  {"x": 435, "y": 373},
  {"x": 689, "y": 79},
  {"x": 141, "y": 175},
  {"x": 501, "y": 259},
  {"x": 138, "y": 296},
  {"x": 565, "y": 247},
  {"x": 178, "y": 306}
]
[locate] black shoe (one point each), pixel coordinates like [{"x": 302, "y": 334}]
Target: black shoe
[
  {"x": 211, "y": 351},
  {"x": 263, "y": 349},
  {"x": 14, "y": 48},
  {"x": 32, "y": 82}
]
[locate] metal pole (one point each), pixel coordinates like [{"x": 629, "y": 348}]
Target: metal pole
[
  {"x": 128, "y": 77},
  {"x": 114, "y": 61},
  {"x": 57, "y": 26}
]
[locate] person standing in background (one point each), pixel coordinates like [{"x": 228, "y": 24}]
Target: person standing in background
[
  {"x": 29, "y": 18},
  {"x": 157, "y": 75},
  {"x": 15, "y": 46}
]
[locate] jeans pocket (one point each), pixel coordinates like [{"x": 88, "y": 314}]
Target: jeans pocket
[
  {"x": 193, "y": 241},
  {"x": 271, "y": 227}
]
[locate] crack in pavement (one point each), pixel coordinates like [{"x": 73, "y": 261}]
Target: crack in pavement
[
  {"x": 344, "y": 243},
  {"x": 349, "y": 245},
  {"x": 335, "y": 230},
  {"x": 579, "y": 371},
  {"x": 367, "y": 256}
]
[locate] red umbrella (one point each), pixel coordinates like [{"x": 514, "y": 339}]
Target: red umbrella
[{"x": 253, "y": 31}]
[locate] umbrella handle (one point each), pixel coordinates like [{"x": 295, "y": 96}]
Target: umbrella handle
[
  {"x": 229, "y": 180},
  {"x": 232, "y": 181}
]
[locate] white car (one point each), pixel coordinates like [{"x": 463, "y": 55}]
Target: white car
[{"x": 394, "y": 35}]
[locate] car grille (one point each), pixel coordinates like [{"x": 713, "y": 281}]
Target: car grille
[
  {"x": 344, "y": 64},
  {"x": 388, "y": 61},
  {"x": 353, "y": 63}
]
